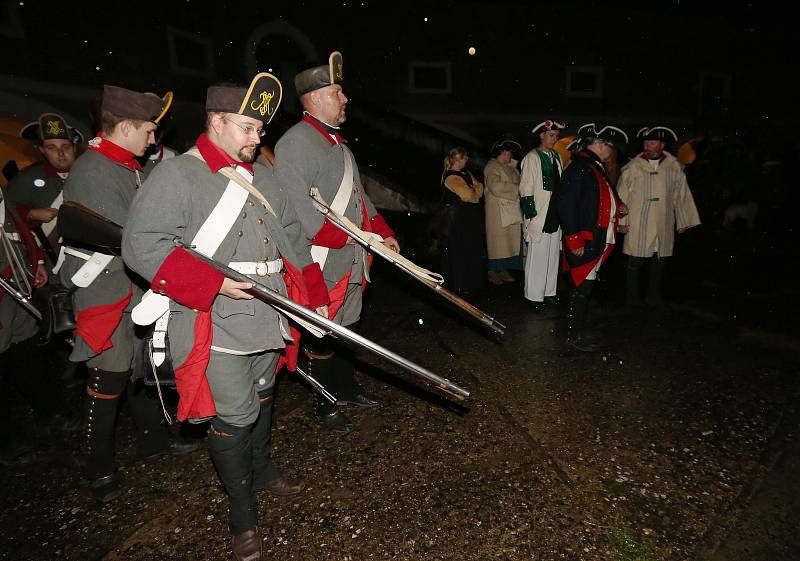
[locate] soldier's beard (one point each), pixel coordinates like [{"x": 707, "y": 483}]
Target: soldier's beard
[{"x": 247, "y": 153}]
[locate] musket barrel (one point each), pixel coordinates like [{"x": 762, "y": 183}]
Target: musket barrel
[
  {"x": 23, "y": 301},
  {"x": 284, "y": 303}
]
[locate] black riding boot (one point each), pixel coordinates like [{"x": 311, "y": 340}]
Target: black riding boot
[
  {"x": 321, "y": 366},
  {"x": 577, "y": 336},
  {"x": 103, "y": 393},
  {"x": 264, "y": 469},
  {"x": 152, "y": 436},
  {"x": 232, "y": 453}
]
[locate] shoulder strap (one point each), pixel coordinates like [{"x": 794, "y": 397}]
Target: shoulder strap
[{"x": 233, "y": 176}]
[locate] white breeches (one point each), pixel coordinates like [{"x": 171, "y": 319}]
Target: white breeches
[{"x": 541, "y": 267}]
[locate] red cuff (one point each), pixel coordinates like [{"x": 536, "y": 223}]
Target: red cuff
[
  {"x": 330, "y": 236},
  {"x": 380, "y": 227},
  {"x": 315, "y": 285},
  {"x": 576, "y": 241},
  {"x": 187, "y": 280}
]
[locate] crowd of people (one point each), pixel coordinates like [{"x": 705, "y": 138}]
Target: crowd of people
[
  {"x": 155, "y": 309},
  {"x": 546, "y": 216}
]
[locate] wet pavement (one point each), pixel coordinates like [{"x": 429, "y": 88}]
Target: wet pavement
[{"x": 677, "y": 442}]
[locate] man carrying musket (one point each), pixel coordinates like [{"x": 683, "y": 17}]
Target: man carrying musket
[
  {"x": 105, "y": 179},
  {"x": 313, "y": 154},
  {"x": 225, "y": 345}
]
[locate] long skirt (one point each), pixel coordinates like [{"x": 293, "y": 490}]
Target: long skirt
[{"x": 463, "y": 265}]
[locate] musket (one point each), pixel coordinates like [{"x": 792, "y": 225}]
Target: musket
[
  {"x": 82, "y": 221},
  {"x": 284, "y": 304},
  {"x": 350, "y": 229},
  {"x": 21, "y": 299}
]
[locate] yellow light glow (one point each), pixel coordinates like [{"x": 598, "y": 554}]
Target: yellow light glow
[{"x": 471, "y": 51}]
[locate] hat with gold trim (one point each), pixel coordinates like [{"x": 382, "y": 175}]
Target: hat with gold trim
[
  {"x": 129, "y": 104},
  {"x": 548, "y": 125},
  {"x": 50, "y": 126},
  {"x": 259, "y": 101},
  {"x": 320, "y": 76},
  {"x": 664, "y": 134}
]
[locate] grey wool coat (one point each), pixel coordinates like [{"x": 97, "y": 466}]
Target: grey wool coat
[
  {"x": 107, "y": 188},
  {"x": 173, "y": 204},
  {"x": 305, "y": 158}
]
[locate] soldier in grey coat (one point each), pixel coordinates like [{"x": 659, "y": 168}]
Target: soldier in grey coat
[
  {"x": 105, "y": 179},
  {"x": 313, "y": 154},
  {"x": 225, "y": 345}
]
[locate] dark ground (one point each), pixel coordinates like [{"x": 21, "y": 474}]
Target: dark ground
[{"x": 680, "y": 442}]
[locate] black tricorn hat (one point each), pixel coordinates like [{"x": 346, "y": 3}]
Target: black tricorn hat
[
  {"x": 664, "y": 134},
  {"x": 608, "y": 133},
  {"x": 129, "y": 104},
  {"x": 549, "y": 125},
  {"x": 260, "y": 101},
  {"x": 505, "y": 144},
  {"x": 320, "y": 76},
  {"x": 50, "y": 126}
]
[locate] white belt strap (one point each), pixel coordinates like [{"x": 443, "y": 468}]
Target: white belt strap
[
  {"x": 260, "y": 268},
  {"x": 48, "y": 227},
  {"x": 91, "y": 269},
  {"x": 318, "y": 253}
]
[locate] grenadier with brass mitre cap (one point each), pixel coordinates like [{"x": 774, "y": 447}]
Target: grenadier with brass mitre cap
[
  {"x": 541, "y": 174},
  {"x": 313, "y": 154},
  {"x": 105, "y": 179},
  {"x": 588, "y": 210},
  {"x": 225, "y": 346},
  {"x": 654, "y": 187},
  {"x": 37, "y": 189}
]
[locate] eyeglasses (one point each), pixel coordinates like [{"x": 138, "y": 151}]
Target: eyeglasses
[{"x": 247, "y": 129}]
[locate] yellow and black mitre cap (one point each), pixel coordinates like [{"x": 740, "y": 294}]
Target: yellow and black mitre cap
[
  {"x": 50, "y": 126},
  {"x": 129, "y": 104},
  {"x": 664, "y": 134},
  {"x": 320, "y": 76},
  {"x": 260, "y": 101}
]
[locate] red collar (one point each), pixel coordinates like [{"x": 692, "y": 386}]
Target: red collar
[
  {"x": 115, "y": 153},
  {"x": 216, "y": 158},
  {"x": 314, "y": 122},
  {"x": 50, "y": 171}
]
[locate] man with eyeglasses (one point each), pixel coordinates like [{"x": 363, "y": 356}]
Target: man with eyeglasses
[
  {"x": 313, "y": 154},
  {"x": 588, "y": 210},
  {"x": 226, "y": 346}
]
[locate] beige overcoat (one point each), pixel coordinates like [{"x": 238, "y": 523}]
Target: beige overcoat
[
  {"x": 659, "y": 202},
  {"x": 503, "y": 215}
]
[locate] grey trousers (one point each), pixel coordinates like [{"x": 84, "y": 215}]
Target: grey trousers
[{"x": 235, "y": 381}]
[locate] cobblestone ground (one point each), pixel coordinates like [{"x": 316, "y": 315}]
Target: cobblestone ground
[{"x": 678, "y": 442}]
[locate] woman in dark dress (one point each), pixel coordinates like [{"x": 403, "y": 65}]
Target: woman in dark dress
[{"x": 462, "y": 251}]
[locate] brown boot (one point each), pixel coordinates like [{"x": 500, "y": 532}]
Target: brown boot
[
  {"x": 247, "y": 546},
  {"x": 282, "y": 486}
]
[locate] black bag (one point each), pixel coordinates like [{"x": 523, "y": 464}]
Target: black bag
[
  {"x": 144, "y": 369},
  {"x": 58, "y": 315}
]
